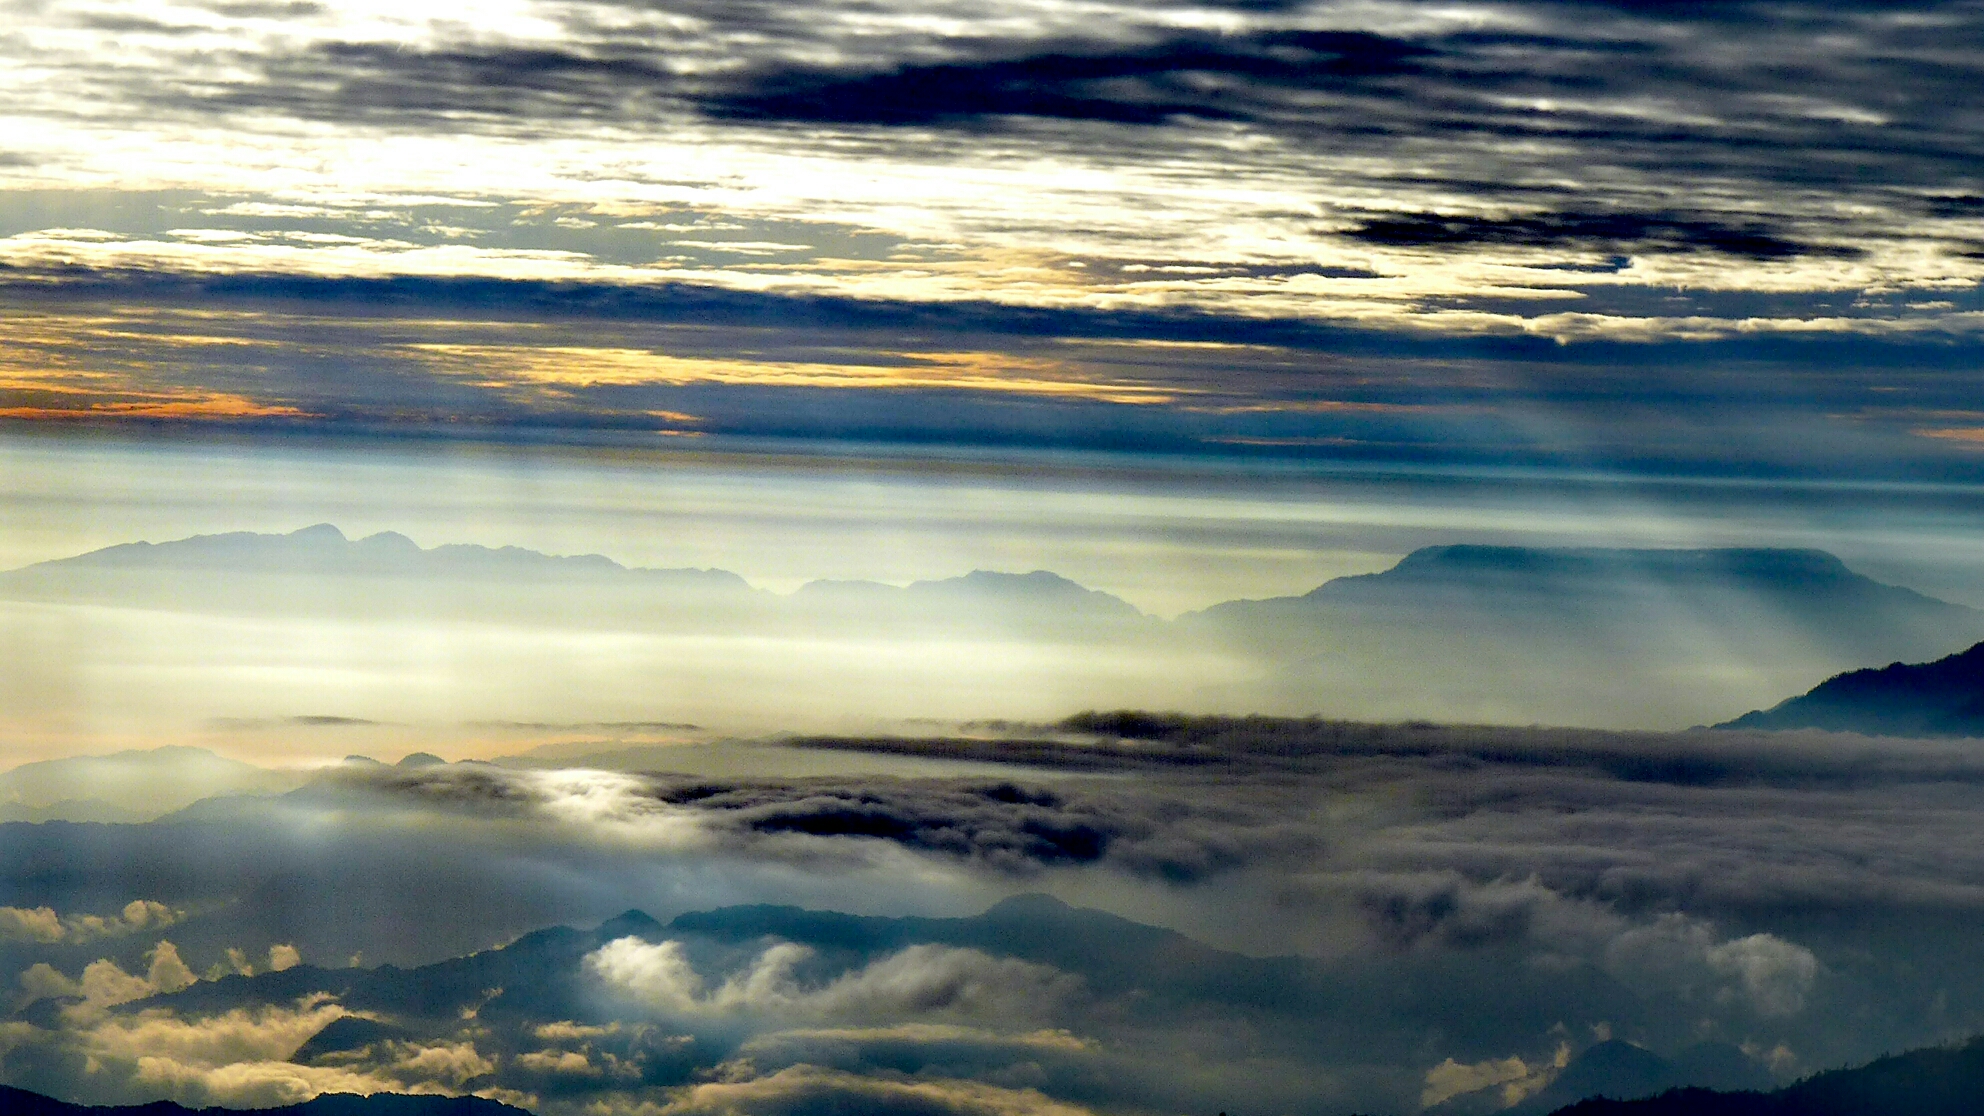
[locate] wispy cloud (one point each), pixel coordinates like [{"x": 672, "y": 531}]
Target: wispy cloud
[{"x": 1540, "y": 152}]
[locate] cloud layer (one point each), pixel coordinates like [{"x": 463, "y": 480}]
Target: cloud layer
[
  {"x": 1415, "y": 896},
  {"x": 1570, "y": 171}
]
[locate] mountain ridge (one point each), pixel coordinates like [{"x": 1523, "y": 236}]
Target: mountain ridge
[
  {"x": 131, "y": 785},
  {"x": 1940, "y": 698},
  {"x": 324, "y": 548},
  {"x": 1606, "y": 638}
]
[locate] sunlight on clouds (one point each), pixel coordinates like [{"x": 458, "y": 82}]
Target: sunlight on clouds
[
  {"x": 42, "y": 924},
  {"x": 1966, "y": 436},
  {"x": 995, "y": 372},
  {"x": 104, "y": 984},
  {"x": 919, "y": 980},
  {"x": 1761, "y": 972},
  {"x": 805, "y": 1087},
  {"x": 610, "y": 803},
  {"x": 214, "y": 406},
  {"x": 281, "y": 956},
  {"x": 1260, "y": 181},
  {"x": 263, "y": 1034},
  {"x": 240, "y": 1057},
  {"x": 1517, "y": 1079}
]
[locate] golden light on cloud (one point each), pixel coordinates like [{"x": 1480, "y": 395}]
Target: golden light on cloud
[
  {"x": 561, "y": 366},
  {"x": 210, "y": 406},
  {"x": 1970, "y": 437}
]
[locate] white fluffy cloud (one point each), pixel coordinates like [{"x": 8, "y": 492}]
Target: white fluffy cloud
[
  {"x": 918, "y": 981},
  {"x": 1516, "y": 1077},
  {"x": 281, "y": 956},
  {"x": 104, "y": 983},
  {"x": 1761, "y": 972},
  {"x": 45, "y": 926},
  {"x": 240, "y": 1058},
  {"x": 1774, "y": 975}
]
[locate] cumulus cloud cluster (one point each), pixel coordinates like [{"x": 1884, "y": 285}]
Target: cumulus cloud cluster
[
  {"x": 43, "y": 925},
  {"x": 241, "y": 1058},
  {"x": 104, "y": 983},
  {"x": 917, "y": 982}
]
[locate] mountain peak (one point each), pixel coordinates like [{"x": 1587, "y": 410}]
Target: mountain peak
[
  {"x": 1031, "y": 903},
  {"x": 316, "y": 533},
  {"x": 387, "y": 541},
  {"x": 629, "y": 924}
]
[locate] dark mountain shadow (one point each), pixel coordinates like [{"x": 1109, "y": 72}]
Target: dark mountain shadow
[
  {"x": 1945, "y": 1081},
  {"x": 1942, "y": 698}
]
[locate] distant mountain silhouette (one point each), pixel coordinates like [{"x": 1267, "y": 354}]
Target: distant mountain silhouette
[
  {"x": 318, "y": 569},
  {"x": 20, "y": 1102},
  {"x": 130, "y": 786},
  {"x": 1943, "y": 698},
  {"x": 1480, "y": 634},
  {"x": 1947, "y": 1081},
  {"x": 1603, "y": 636},
  {"x": 1807, "y": 589},
  {"x": 323, "y": 550},
  {"x": 977, "y": 589}
]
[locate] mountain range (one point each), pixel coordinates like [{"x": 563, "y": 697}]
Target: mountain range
[
  {"x": 130, "y": 786},
  {"x": 317, "y": 570},
  {"x": 1605, "y": 638}
]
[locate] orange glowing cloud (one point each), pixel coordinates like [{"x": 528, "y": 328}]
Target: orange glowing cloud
[{"x": 564, "y": 366}]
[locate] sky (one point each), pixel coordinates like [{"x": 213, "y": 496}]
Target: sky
[
  {"x": 616, "y": 388},
  {"x": 1728, "y": 238}
]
